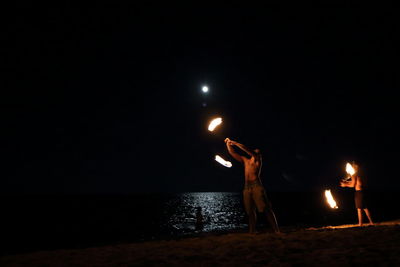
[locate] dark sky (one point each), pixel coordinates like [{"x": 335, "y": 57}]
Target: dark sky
[{"x": 108, "y": 99}]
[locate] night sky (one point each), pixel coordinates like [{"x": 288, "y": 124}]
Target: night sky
[{"x": 108, "y": 99}]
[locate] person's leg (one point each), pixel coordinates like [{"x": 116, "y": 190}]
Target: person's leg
[
  {"x": 360, "y": 220},
  {"x": 252, "y": 221},
  {"x": 272, "y": 220},
  {"x": 358, "y": 198},
  {"x": 369, "y": 216},
  {"x": 264, "y": 206},
  {"x": 250, "y": 209}
]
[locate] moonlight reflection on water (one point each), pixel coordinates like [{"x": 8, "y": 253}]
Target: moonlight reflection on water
[{"x": 220, "y": 210}]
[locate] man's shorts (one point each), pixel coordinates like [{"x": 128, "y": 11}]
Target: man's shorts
[
  {"x": 254, "y": 196},
  {"x": 360, "y": 200}
]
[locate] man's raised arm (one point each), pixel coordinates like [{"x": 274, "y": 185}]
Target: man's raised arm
[
  {"x": 232, "y": 151},
  {"x": 244, "y": 148}
]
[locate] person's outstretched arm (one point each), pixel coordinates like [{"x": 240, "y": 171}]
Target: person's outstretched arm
[
  {"x": 232, "y": 151},
  {"x": 244, "y": 148}
]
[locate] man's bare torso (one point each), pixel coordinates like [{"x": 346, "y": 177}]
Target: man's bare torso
[
  {"x": 358, "y": 184},
  {"x": 252, "y": 168}
]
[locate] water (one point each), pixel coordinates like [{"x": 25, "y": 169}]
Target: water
[
  {"x": 41, "y": 222},
  {"x": 220, "y": 210}
]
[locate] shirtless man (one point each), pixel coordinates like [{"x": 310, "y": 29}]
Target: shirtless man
[
  {"x": 254, "y": 196},
  {"x": 357, "y": 183}
]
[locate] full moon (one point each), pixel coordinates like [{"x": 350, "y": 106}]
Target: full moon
[{"x": 204, "y": 89}]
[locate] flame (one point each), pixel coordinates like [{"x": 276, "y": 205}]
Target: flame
[
  {"x": 223, "y": 162},
  {"x": 330, "y": 200},
  {"x": 214, "y": 123},
  {"x": 349, "y": 169}
]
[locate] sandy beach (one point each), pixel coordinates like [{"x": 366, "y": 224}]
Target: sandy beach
[{"x": 342, "y": 245}]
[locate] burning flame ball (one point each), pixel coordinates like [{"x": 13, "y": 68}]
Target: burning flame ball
[
  {"x": 349, "y": 169},
  {"x": 225, "y": 163},
  {"x": 214, "y": 123},
  {"x": 330, "y": 200}
]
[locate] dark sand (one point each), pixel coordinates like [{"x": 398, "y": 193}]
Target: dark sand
[{"x": 344, "y": 245}]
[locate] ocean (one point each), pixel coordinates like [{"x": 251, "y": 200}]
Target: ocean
[{"x": 43, "y": 222}]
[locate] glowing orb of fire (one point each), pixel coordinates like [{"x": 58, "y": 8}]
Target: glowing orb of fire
[
  {"x": 204, "y": 89},
  {"x": 223, "y": 162},
  {"x": 349, "y": 169},
  {"x": 329, "y": 198},
  {"x": 214, "y": 123}
]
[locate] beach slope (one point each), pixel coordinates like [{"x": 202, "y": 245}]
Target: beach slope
[{"x": 344, "y": 245}]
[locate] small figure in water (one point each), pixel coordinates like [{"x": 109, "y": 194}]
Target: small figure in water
[
  {"x": 254, "y": 196},
  {"x": 358, "y": 184},
  {"x": 199, "y": 219}
]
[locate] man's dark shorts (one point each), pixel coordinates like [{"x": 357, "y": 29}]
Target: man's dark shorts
[
  {"x": 360, "y": 199},
  {"x": 254, "y": 196}
]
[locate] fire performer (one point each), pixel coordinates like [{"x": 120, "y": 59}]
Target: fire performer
[
  {"x": 358, "y": 184},
  {"x": 254, "y": 196}
]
